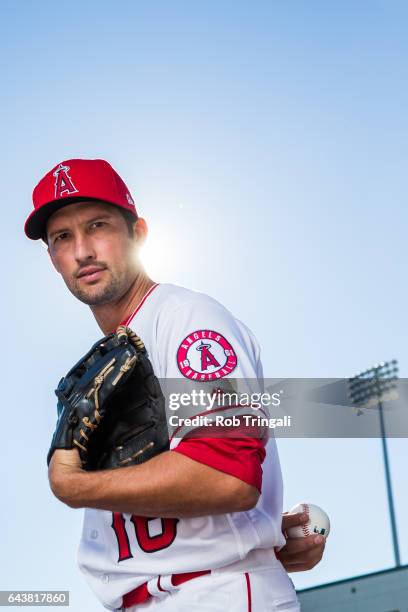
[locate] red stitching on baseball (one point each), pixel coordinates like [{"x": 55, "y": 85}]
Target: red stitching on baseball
[{"x": 305, "y": 528}]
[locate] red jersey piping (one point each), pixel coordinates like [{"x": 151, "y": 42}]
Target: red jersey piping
[
  {"x": 138, "y": 307},
  {"x": 248, "y": 586}
]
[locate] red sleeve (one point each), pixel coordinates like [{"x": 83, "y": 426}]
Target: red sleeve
[{"x": 240, "y": 457}]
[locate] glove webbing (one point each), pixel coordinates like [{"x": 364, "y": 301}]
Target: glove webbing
[
  {"x": 139, "y": 345},
  {"x": 139, "y": 452},
  {"x": 121, "y": 331}
]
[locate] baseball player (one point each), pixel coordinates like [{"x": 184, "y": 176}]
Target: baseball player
[{"x": 199, "y": 526}]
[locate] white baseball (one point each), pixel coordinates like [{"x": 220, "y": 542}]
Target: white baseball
[{"x": 318, "y": 523}]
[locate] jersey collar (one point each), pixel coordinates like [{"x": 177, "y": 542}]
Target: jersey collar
[{"x": 140, "y": 304}]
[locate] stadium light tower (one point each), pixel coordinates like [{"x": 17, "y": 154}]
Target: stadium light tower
[{"x": 368, "y": 388}]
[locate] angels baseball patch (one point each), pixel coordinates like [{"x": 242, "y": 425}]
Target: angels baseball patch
[{"x": 206, "y": 355}]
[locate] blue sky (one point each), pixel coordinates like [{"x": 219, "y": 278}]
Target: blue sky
[{"x": 266, "y": 145}]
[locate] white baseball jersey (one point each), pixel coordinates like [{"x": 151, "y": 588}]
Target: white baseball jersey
[{"x": 188, "y": 334}]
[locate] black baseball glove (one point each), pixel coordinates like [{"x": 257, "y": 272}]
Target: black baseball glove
[{"x": 110, "y": 405}]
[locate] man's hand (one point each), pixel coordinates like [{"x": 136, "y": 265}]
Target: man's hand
[
  {"x": 300, "y": 554},
  {"x": 64, "y": 466}
]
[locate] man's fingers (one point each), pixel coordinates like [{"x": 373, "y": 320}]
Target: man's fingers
[
  {"x": 302, "y": 556},
  {"x": 296, "y": 545},
  {"x": 300, "y": 567},
  {"x": 301, "y": 562},
  {"x": 292, "y": 520}
]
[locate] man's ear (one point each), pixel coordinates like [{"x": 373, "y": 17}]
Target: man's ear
[
  {"x": 141, "y": 230},
  {"x": 52, "y": 260}
]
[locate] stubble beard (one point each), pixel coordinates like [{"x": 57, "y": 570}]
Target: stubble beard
[{"x": 97, "y": 295}]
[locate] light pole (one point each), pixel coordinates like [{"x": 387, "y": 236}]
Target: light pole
[{"x": 371, "y": 385}]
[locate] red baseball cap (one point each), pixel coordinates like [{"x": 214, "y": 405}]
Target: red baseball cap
[{"x": 73, "y": 180}]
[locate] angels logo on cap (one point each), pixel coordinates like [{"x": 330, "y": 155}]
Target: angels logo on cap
[
  {"x": 206, "y": 355},
  {"x": 63, "y": 182},
  {"x": 76, "y": 180}
]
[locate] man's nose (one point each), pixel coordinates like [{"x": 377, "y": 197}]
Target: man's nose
[{"x": 84, "y": 250}]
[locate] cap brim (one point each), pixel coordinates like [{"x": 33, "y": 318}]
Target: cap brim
[{"x": 35, "y": 226}]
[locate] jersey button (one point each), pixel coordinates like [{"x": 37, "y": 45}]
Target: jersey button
[
  {"x": 94, "y": 534},
  {"x": 105, "y": 578}
]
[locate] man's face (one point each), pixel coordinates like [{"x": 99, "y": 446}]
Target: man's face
[{"x": 90, "y": 246}]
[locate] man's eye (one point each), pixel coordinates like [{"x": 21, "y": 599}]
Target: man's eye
[
  {"x": 60, "y": 237},
  {"x": 97, "y": 224}
]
